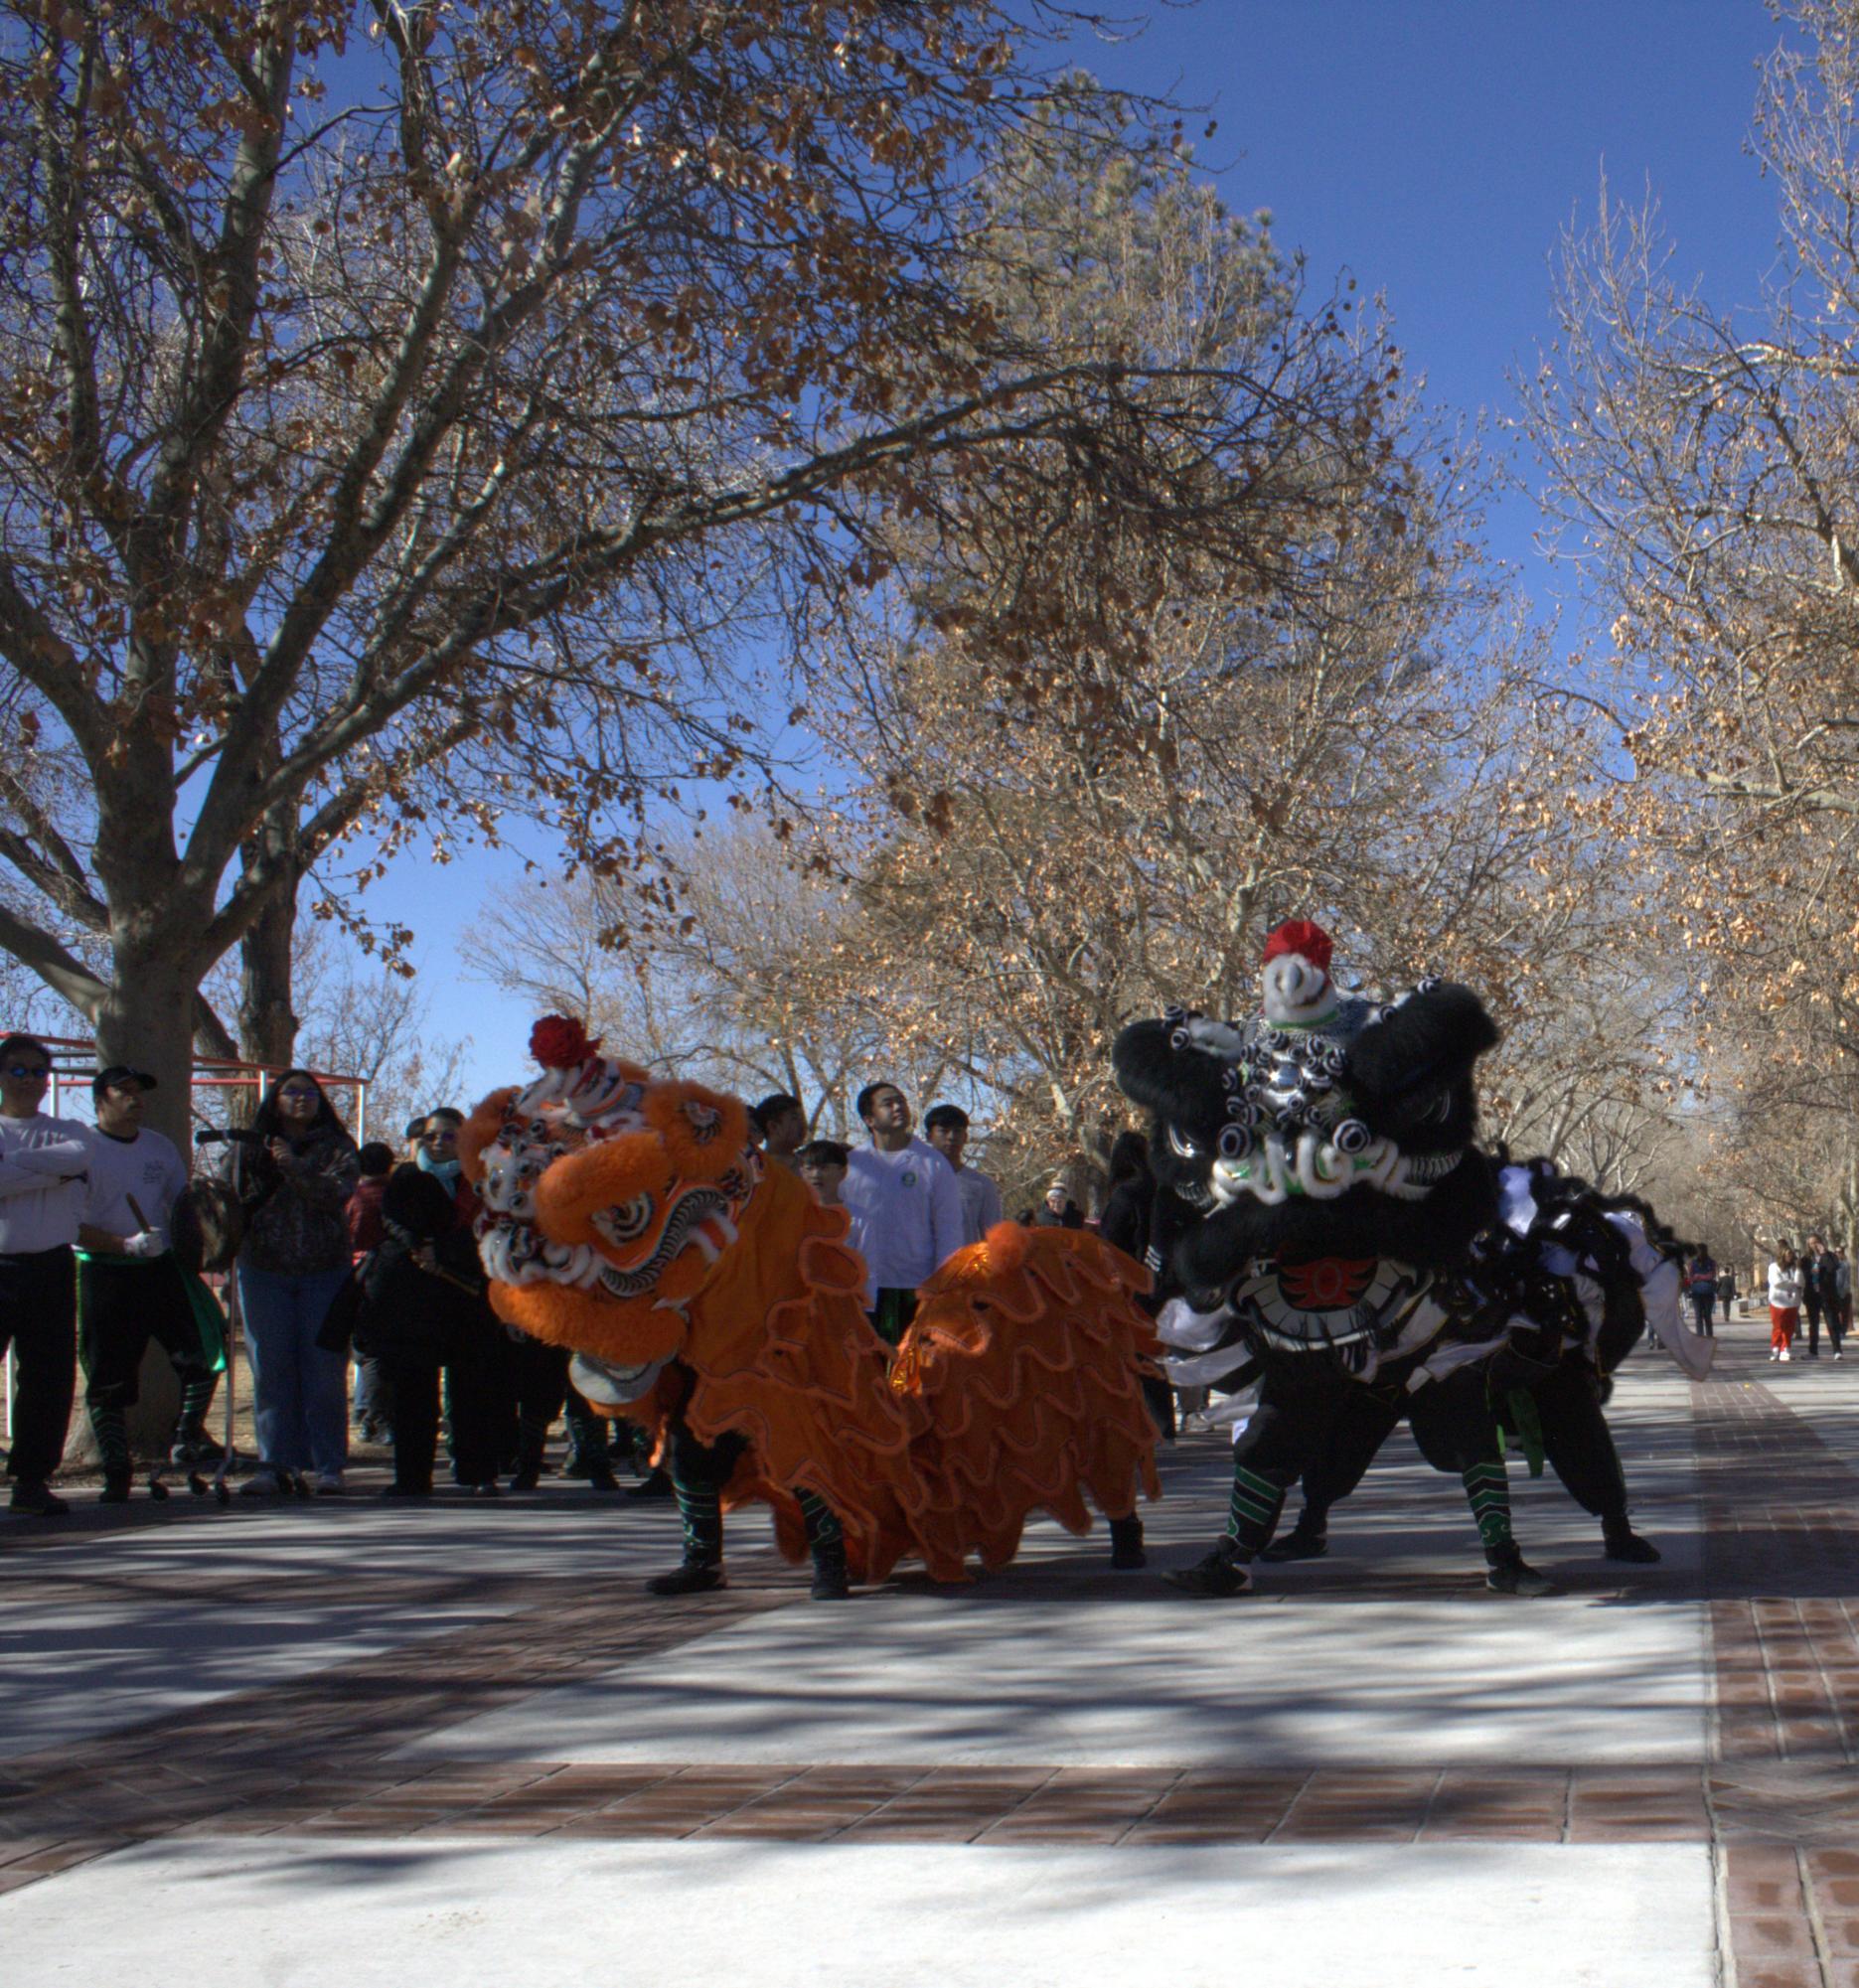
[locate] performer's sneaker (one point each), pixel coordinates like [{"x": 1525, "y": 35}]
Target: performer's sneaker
[
  {"x": 36, "y": 1499},
  {"x": 1622, "y": 1543},
  {"x": 1300, "y": 1543},
  {"x": 115, "y": 1489},
  {"x": 1513, "y": 1575},
  {"x": 1125, "y": 1543},
  {"x": 654, "y": 1487},
  {"x": 693, "y": 1577},
  {"x": 1217, "y": 1576}
]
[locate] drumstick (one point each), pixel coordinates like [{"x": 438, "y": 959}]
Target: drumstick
[{"x": 141, "y": 1220}]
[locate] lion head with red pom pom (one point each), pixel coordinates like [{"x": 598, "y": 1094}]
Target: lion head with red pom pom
[{"x": 609, "y": 1199}]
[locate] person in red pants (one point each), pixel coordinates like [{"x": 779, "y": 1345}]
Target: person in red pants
[{"x": 1784, "y": 1301}]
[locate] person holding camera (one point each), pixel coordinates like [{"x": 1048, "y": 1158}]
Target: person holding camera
[
  {"x": 129, "y": 1287},
  {"x": 299, "y": 1166},
  {"x": 43, "y": 1163}
]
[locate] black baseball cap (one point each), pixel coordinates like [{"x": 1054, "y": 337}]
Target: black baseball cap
[{"x": 119, "y": 1073}]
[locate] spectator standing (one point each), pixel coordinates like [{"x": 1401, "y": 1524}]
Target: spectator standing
[
  {"x": 1060, "y": 1211},
  {"x": 1785, "y": 1299},
  {"x": 1811, "y": 1296},
  {"x": 946, "y": 1127},
  {"x": 1726, "y": 1292},
  {"x": 130, "y": 1289},
  {"x": 423, "y": 1311},
  {"x": 1701, "y": 1286},
  {"x": 1129, "y": 1213},
  {"x": 782, "y": 1123},
  {"x": 44, "y": 1162},
  {"x": 294, "y": 1259},
  {"x": 1843, "y": 1289},
  {"x": 373, "y": 1412},
  {"x": 903, "y": 1193}
]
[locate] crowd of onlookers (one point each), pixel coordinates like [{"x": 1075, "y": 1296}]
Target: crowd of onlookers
[{"x": 364, "y": 1261}]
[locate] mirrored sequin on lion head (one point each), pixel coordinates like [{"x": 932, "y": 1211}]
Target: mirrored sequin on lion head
[{"x": 1326, "y": 1126}]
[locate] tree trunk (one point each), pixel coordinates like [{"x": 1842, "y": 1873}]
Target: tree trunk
[{"x": 268, "y": 1023}]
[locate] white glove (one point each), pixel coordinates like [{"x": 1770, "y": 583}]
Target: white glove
[{"x": 147, "y": 1242}]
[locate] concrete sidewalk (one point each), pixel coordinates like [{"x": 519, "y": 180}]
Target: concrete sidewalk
[{"x": 345, "y": 1742}]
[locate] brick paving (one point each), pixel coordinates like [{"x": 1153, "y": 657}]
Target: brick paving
[{"x": 1778, "y": 1797}]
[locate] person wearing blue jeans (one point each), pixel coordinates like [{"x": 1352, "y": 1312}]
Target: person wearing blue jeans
[
  {"x": 300, "y": 1167},
  {"x": 300, "y": 1389}
]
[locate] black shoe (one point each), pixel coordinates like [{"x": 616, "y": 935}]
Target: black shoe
[
  {"x": 1125, "y": 1543},
  {"x": 1509, "y": 1573},
  {"x": 1302, "y": 1542},
  {"x": 1622, "y": 1543},
  {"x": 36, "y": 1499},
  {"x": 408, "y": 1492},
  {"x": 1219, "y": 1574},
  {"x": 528, "y": 1477},
  {"x": 658, "y": 1485},
  {"x": 488, "y": 1490},
  {"x": 115, "y": 1489},
  {"x": 192, "y": 1448},
  {"x": 601, "y": 1477},
  {"x": 830, "y": 1578},
  {"x": 694, "y": 1577}
]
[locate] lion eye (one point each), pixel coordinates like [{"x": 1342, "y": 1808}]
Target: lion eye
[
  {"x": 1183, "y": 1149},
  {"x": 628, "y": 1220}
]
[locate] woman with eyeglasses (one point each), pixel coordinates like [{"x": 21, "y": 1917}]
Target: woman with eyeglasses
[{"x": 294, "y": 1259}]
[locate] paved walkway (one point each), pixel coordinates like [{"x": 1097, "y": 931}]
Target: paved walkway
[{"x": 346, "y": 1743}]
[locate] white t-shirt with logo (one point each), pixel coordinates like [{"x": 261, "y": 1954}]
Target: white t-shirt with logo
[
  {"x": 147, "y": 1167},
  {"x": 41, "y": 1199},
  {"x": 906, "y": 1208}
]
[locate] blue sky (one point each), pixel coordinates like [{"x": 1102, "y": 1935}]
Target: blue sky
[{"x": 1435, "y": 148}]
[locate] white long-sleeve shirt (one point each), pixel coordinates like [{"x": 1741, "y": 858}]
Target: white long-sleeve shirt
[
  {"x": 908, "y": 1208},
  {"x": 41, "y": 1190},
  {"x": 147, "y": 1167},
  {"x": 981, "y": 1203},
  {"x": 1784, "y": 1287}
]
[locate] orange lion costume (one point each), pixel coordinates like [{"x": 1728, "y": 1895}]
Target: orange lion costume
[{"x": 630, "y": 1220}]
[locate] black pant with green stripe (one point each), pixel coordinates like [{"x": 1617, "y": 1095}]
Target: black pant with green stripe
[
  {"x": 1305, "y": 1423},
  {"x": 700, "y": 1474},
  {"x": 124, "y": 1303}
]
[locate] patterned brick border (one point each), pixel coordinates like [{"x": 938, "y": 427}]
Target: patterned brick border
[{"x": 1781, "y": 1798}]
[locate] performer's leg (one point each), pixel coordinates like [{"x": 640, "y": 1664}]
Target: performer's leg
[
  {"x": 1452, "y": 1422},
  {"x": 176, "y": 1330},
  {"x": 825, "y": 1539},
  {"x": 1278, "y": 1440},
  {"x": 1581, "y": 1450},
  {"x": 1362, "y": 1423},
  {"x": 588, "y": 1437},
  {"x": 113, "y": 1335},
  {"x": 699, "y": 1474},
  {"x": 412, "y": 1386}
]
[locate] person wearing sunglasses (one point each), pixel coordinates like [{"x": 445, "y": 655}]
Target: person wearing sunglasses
[
  {"x": 295, "y": 1261},
  {"x": 45, "y": 1163}
]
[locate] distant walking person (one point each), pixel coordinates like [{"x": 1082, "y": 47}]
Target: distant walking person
[
  {"x": 1814, "y": 1301},
  {"x": 1701, "y": 1284},
  {"x": 946, "y": 1127},
  {"x": 43, "y": 1164},
  {"x": 1823, "y": 1272},
  {"x": 905, "y": 1202},
  {"x": 1784, "y": 1301},
  {"x": 294, "y": 1259}
]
